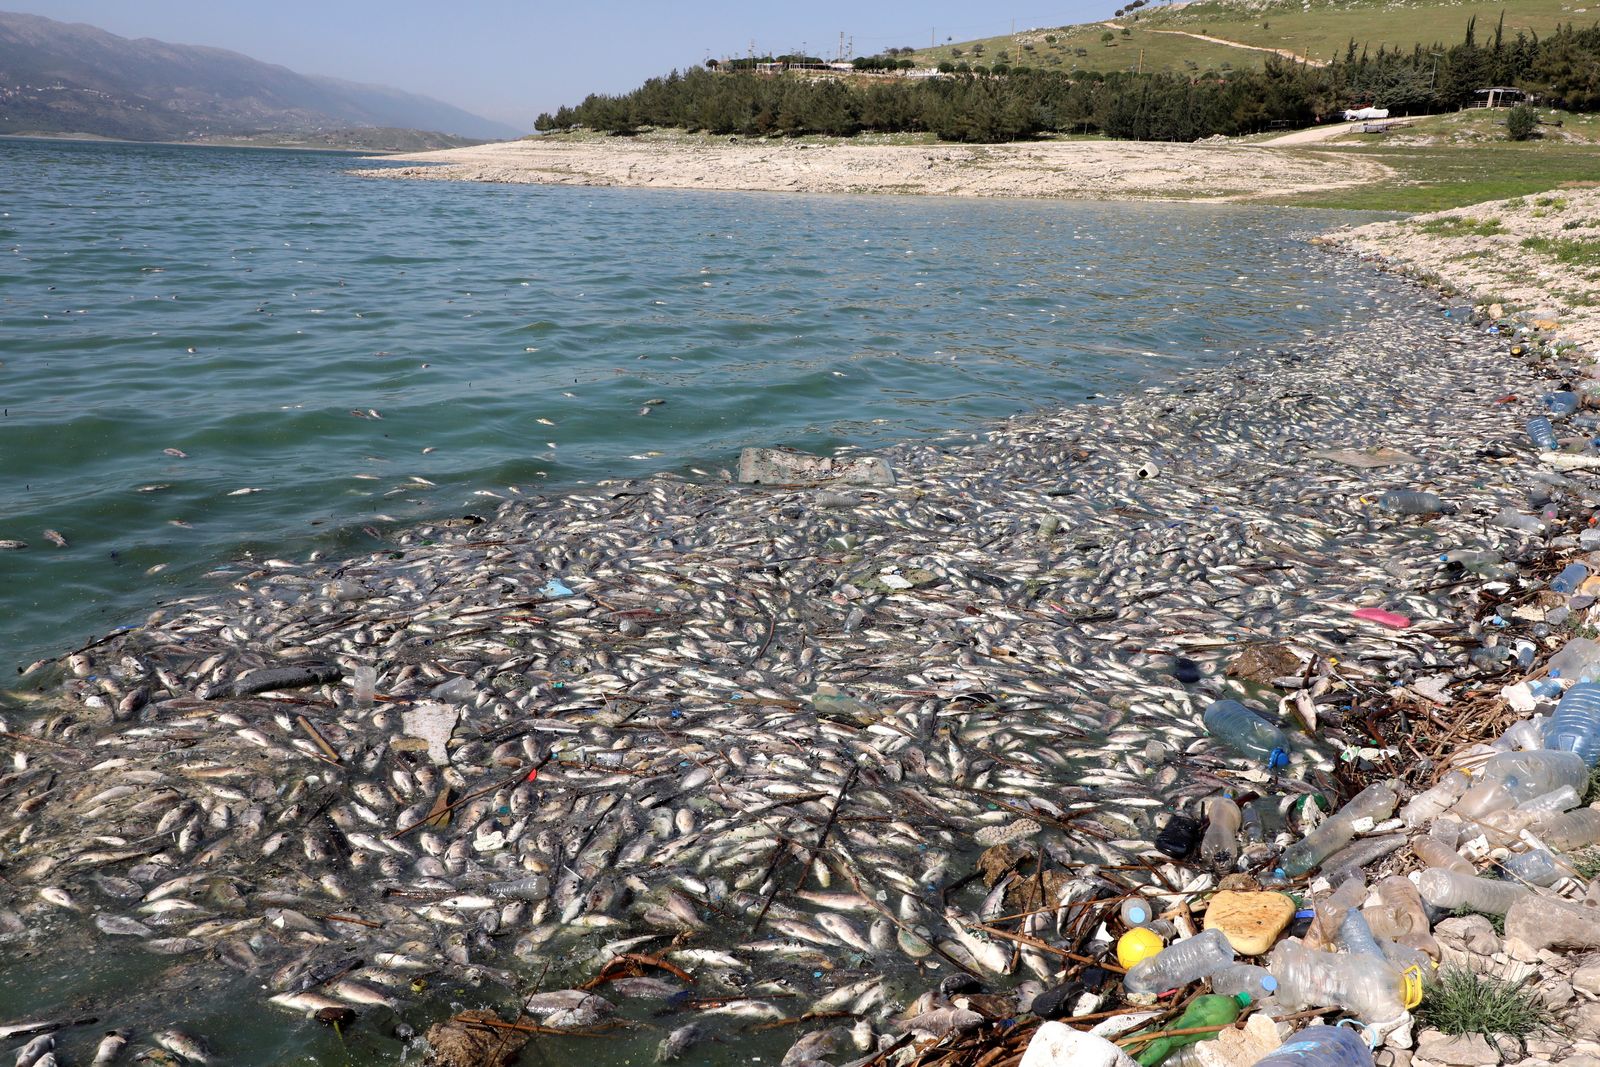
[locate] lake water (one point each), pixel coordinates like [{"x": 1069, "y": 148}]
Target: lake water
[{"x": 210, "y": 356}]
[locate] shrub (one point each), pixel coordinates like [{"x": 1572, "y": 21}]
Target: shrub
[
  {"x": 1522, "y": 123},
  {"x": 1461, "y": 1002}
]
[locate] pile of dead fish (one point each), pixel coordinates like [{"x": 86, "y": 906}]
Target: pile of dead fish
[{"x": 760, "y": 733}]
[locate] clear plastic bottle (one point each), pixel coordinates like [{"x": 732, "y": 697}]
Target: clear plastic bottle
[
  {"x": 1244, "y": 978},
  {"x": 1575, "y": 724},
  {"x": 1569, "y": 831},
  {"x": 1181, "y": 963},
  {"x": 1365, "y": 986},
  {"x": 1330, "y": 910},
  {"x": 1561, "y": 403},
  {"x": 1510, "y": 778},
  {"x": 1321, "y": 1046},
  {"x": 1355, "y": 936},
  {"x": 1577, "y": 657},
  {"x": 1431, "y": 803},
  {"x": 1450, "y": 890},
  {"x": 1246, "y": 732},
  {"x": 1557, "y": 800},
  {"x": 1374, "y": 802},
  {"x": 1543, "y": 434},
  {"x": 1536, "y": 867},
  {"x": 1469, "y": 556},
  {"x": 1219, "y": 848},
  {"x": 1250, "y": 823},
  {"x": 1411, "y": 502},
  {"x": 1437, "y": 855},
  {"x": 1512, "y": 520},
  {"x": 1571, "y": 576},
  {"x": 1524, "y": 735}
]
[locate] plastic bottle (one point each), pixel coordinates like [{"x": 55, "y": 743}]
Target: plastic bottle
[
  {"x": 1543, "y": 434},
  {"x": 1397, "y": 911},
  {"x": 1178, "y": 837},
  {"x": 1250, "y": 823},
  {"x": 1365, "y": 986},
  {"x": 1435, "y": 854},
  {"x": 1219, "y": 848},
  {"x": 1575, "y": 724},
  {"x": 362, "y": 680},
  {"x": 1577, "y": 656},
  {"x": 1136, "y": 911},
  {"x": 1330, "y": 910},
  {"x": 1208, "y": 1010},
  {"x": 1512, "y": 520},
  {"x": 1560, "y": 403},
  {"x": 1321, "y": 1046},
  {"x": 1450, "y": 890},
  {"x": 1247, "y": 733},
  {"x": 1537, "y": 867},
  {"x": 1552, "y": 803},
  {"x": 1469, "y": 556},
  {"x": 1431, "y": 803},
  {"x": 1569, "y": 831},
  {"x": 1411, "y": 502},
  {"x": 1244, "y": 978},
  {"x": 1524, "y": 735},
  {"x": 1571, "y": 576},
  {"x": 1510, "y": 778},
  {"x": 1181, "y": 963},
  {"x": 1355, "y": 936},
  {"x": 1374, "y": 802}
]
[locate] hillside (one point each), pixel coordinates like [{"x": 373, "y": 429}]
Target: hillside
[
  {"x": 57, "y": 77},
  {"x": 1244, "y": 32}
]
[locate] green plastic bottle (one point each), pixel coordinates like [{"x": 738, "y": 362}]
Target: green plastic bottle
[{"x": 1209, "y": 1010}]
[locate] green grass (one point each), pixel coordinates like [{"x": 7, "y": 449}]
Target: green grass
[
  {"x": 1461, "y": 226},
  {"x": 1320, "y": 31},
  {"x": 1440, "y": 177},
  {"x": 1496, "y": 921},
  {"x": 1568, "y": 250},
  {"x": 1461, "y": 1002},
  {"x": 1587, "y": 862}
]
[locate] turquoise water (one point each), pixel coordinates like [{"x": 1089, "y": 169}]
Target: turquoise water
[{"x": 335, "y": 357}]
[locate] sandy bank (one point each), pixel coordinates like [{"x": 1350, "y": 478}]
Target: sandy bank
[
  {"x": 1095, "y": 170},
  {"x": 1536, "y": 255}
]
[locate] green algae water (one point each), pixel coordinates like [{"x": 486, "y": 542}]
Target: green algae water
[{"x": 212, "y": 357}]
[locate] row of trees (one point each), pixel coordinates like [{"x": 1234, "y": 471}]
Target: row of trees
[{"x": 1023, "y": 102}]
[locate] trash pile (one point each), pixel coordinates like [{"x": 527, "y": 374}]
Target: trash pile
[{"x": 952, "y": 756}]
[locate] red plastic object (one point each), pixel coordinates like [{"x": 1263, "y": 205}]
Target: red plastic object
[
  {"x": 1509, "y": 398},
  {"x": 533, "y": 774},
  {"x": 1383, "y": 618}
]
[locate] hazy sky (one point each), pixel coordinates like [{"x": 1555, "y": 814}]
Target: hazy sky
[{"x": 510, "y": 61}]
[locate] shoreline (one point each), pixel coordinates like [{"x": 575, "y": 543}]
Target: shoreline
[
  {"x": 1028, "y": 582},
  {"x": 1093, "y": 170}
]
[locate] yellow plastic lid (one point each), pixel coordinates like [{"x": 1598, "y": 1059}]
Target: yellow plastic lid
[
  {"x": 1413, "y": 979},
  {"x": 1138, "y": 945}
]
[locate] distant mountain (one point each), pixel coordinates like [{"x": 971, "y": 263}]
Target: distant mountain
[{"x": 58, "y": 77}]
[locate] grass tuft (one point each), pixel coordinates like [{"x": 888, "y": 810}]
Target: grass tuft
[
  {"x": 1568, "y": 250},
  {"x": 1461, "y": 1002},
  {"x": 1587, "y": 862},
  {"x": 1457, "y": 226},
  {"x": 1496, "y": 921}
]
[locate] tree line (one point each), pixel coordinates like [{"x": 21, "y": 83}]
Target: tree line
[{"x": 1014, "y": 103}]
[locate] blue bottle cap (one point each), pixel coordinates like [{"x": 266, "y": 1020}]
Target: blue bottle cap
[
  {"x": 1279, "y": 758},
  {"x": 1270, "y": 984},
  {"x": 1137, "y": 915}
]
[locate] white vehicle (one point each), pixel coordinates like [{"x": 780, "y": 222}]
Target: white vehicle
[{"x": 1356, "y": 114}]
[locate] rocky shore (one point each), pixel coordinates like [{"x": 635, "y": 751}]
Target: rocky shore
[
  {"x": 1091, "y": 170},
  {"x": 733, "y": 754},
  {"x": 1533, "y": 257}
]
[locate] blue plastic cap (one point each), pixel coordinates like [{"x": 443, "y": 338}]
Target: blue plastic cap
[
  {"x": 1137, "y": 915},
  {"x": 1279, "y": 872},
  {"x": 1270, "y": 984},
  {"x": 1279, "y": 758}
]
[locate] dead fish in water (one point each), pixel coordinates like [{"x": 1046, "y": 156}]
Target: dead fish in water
[
  {"x": 186, "y": 1045},
  {"x": 110, "y": 1047},
  {"x": 175, "y": 453},
  {"x": 55, "y": 538},
  {"x": 12, "y": 546},
  {"x": 246, "y": 491},
  {"x": 35, "y": 1051},
  {"x": 681, "y": 1040}
]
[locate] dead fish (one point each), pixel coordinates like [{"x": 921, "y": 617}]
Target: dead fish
[
  {"x": 186, "y": 1045},
  {"x": 681, "y": 1040},
  {"x": 175, "y": 453},
  {"x": 55, "y": 538},
  {"x": 12, "y": 546}
]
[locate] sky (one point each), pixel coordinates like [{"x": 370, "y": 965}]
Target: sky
[{"x": 509, "y": 61}]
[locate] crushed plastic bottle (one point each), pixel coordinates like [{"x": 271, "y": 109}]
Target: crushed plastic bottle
[
  {"x": 1365, "y": 986},
  {"x": 1513, "y": 520},
  {"x": 1575, "y": 724},
  {"x": 1181, "y": 963},
  {"x": 1355, "y": 936},
  {"x": 1209, "y": 1010},
  {"x": 1557, "y": 800},
  {"x": 1560, "y": 404},
  {"x": 1510, "y": 778},
  {"x": 1451, "y": 889},
  {"x": 1571, "y": 576},
  {"x": 1411, "y": 502},
  {"x": 1375, "y": 802},
  {"x": 1246, "y": 732},
  {"x": 1428, "y": 805},
  {"x": 1321, "y": 1046},
  {"x": 1178, "y": 837},
  {"x": 1219, "y": 848},
  {"x": 1397, "y": 910},
  {"x": 1578, "y": 657}
]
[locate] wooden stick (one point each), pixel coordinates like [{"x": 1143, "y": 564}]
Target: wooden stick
[
  {"x": 322, "y": 742},
  {"x": 518, "y": 777}
]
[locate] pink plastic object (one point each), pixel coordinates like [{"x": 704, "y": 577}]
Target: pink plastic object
[{"x": 1383, "y": 618}]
